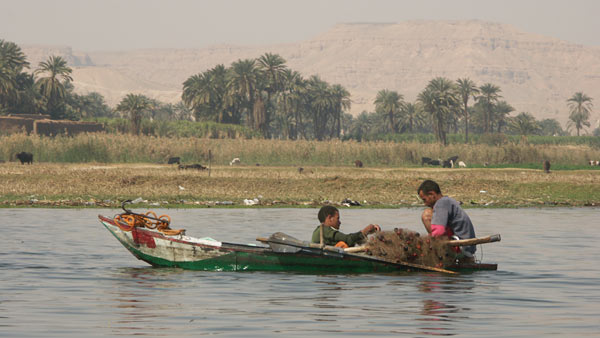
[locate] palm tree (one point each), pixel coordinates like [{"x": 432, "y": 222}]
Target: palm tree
[
  {"x": 28, "y": 99},
  {"x": 550, "y": 127},
  {"x": 272, "y": 67},
  {"x": 321, "y": 104},
  {"x": 389, "y": 103},
  {"x": 501, "y": 110},
  {"x": 52, "y": 86},
  {"x": 411, "y": 117},
  {"x": 134, "y": 105},
  {"x": 488, "y": 98},
  {"x": 439, "y": 99},
  {"x": 205, "y": 94},
  {"x": 466, "y": 90},
  {"x": 7, "y": 83},
  {"x": 361, "y": 126},
  {"x": 198, "y": 92},
  {"x": 524, "y": 124},
  {"x": 12, "y": 56},
  {"x": 580, "y": 106},
  {"x": 341, "y": 102},
  {"x": 12, "y": 63},
  {"x": 289, "y": 103},
  {"x": 244, "y": 80}
]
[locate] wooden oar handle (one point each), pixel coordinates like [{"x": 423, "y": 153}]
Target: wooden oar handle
[
  {"x": 474, "y": 241},
  {"x": 309, "y": 245}
]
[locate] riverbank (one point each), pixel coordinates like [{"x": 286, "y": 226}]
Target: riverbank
[{"x": 155, "y": 185}]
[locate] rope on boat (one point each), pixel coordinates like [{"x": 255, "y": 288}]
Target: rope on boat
[{"x": 129, "y": 220}]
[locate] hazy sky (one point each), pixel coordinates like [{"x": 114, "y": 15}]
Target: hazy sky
[{"x": 131, "y": 24}]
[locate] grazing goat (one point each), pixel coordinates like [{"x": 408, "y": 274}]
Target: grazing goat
[
  {"x": 462, "y": 164},
  {"x": 25, "y": 157},
  {"x": 425, "y": 160},
  {"x": 435, "y": 162},
  {"x": 173, "y": 160},
  {"x": 358, "y": 164},
  {"x": 448, "y": 164},
  {"x": 235, "y": 161},
  {"x": 594, "y": 163}
]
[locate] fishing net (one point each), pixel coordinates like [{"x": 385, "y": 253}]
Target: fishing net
[{"x": 403, "y": 245}]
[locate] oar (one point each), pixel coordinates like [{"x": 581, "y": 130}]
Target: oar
[
  {"x": 474, "y": 241},
  {"x": 280, "y": 239},
  {"x": 413, "y": 265}
]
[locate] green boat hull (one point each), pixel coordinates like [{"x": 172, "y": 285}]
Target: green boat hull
[{"x": 190, "y": 253}]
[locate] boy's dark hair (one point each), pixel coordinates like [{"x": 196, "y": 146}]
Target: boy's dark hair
[
  {"x": 429, "y": 185},
  {"x": 328, "y": 210}
]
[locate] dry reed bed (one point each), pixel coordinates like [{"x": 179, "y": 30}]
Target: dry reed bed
[
  {"x": 123, "y": 148},
  {"x": 76, "y": 184}
]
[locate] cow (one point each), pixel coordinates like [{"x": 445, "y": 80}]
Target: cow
[
  {"x": 462, "y": 164},
  {"x": 25, "y": 157},
  {"x": 173, "y": 160},
  {"x": 358, "y": 164},
  {"x": 235, "y": 161},
  {"x": 192, "y": 166},
  {"x": 547, "y": 166},
  {"x": 425, "y": 160},
  {"x": 594, "y": 163},
  {"x": 448, "y": 164},
  {"x": 435, "y": 162}
]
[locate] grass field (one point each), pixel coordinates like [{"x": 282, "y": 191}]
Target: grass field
[
  {"x": 123, "y": 148},
  {"x": 106, "y": 185}
]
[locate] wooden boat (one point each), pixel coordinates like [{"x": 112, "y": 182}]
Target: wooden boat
[{"x": 283, "y": 253}]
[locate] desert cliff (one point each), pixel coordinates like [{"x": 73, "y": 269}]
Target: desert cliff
[{"x": 537, "y": 74}]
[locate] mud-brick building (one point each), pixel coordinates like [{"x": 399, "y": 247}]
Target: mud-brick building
[{"x": 38, "y": 124}]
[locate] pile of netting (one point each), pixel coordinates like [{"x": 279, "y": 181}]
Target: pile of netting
[
  {"x": 403, "y": 245},
  {"x": 128, "y": 220}
]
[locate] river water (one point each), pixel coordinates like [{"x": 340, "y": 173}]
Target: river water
[{"x": 63, "y": 275}]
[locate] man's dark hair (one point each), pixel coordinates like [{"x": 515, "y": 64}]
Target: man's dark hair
[
  {"x": 328, "y": 210},
  {"x": 429, "y": 185}
]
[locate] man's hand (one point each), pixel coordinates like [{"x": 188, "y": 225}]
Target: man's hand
[{"x": 371, "y": 228}]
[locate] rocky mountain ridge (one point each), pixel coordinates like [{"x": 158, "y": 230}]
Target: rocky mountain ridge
[{"x": 537, "y": 74}]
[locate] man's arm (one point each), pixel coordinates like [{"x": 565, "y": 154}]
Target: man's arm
[
  {"x": 439, "y": 218},
  {"x": 350, "y": 239},
  {"x": 426, "y": 219},
  {"x": 437, "y": 230}
]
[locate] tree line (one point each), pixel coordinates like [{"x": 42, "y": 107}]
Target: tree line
[{"x": 275, "y": 101}]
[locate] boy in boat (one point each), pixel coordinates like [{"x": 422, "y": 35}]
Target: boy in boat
[
  {"x": 445, "y": 217},
  {"x": 329, "y": 216}
]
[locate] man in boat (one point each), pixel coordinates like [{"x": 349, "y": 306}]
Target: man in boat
[
  {"x": 329, "y": 216},
  {"x": 444, "y": 217}
]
